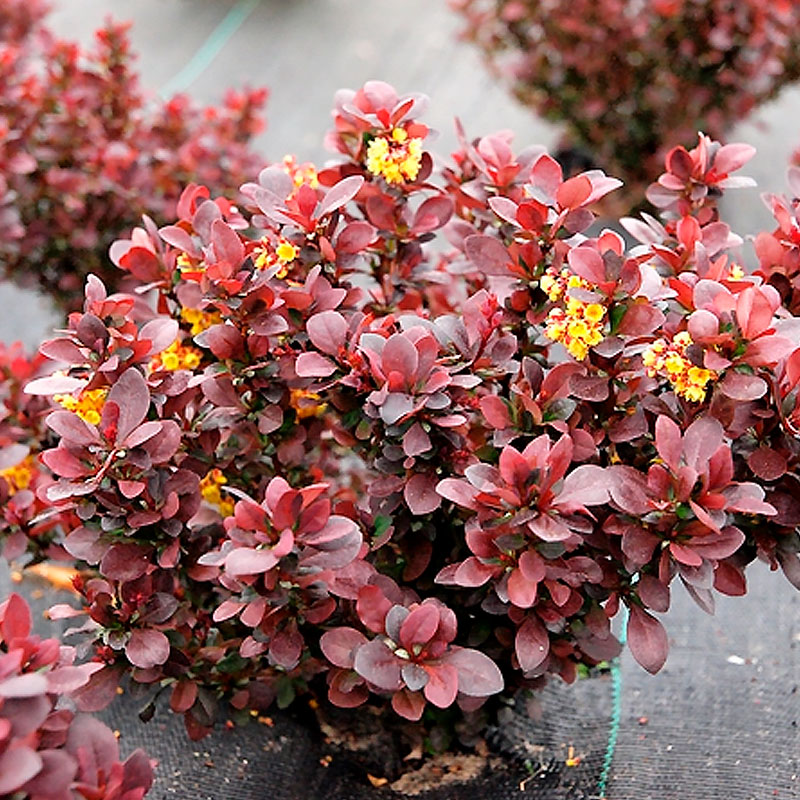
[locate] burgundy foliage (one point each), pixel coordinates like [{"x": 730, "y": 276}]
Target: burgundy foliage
[
  {"x": 336, "y": 456},
  {"x": 627, "y": 80},
  {"x": 46, "y": 751},
  {"x": 84, "y": 152}
]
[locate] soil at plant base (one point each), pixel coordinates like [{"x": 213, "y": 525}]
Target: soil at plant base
[{"x": 389, "y": 754}]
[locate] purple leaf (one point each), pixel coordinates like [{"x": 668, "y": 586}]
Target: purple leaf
[
  {"x": 586, "y": 485},
  {"x": 227, "y": 245},
  {"x": 419, "y": 626},
  {"x": 442, "y": 686},
  {"x": 478, "y": 675},
  {"x": 131, "y": 395},
  {"x": 125, "y": 562},
  {"x": 100, "y": 691},
  {"x": 420, "y": 494},
  {"x": 246, "y": 561},
  {"x": 147, "y": 648},
  {"x": 647, "y": 639},
  {"x": 532, "y": 644},
  {"x": 161, "y": 332},
  {"x": 743, "y": 388},
  {"x": 376, "y": 663},
  {"x": 432, "y": 214},
  {"x": 19, "y": 686},
  {"x": 18, "y": 765},
  {"x": 71, "y": 427},
  {"x": 313, "y": 365},
  {"x": 488, "y": 254},
  {"x": 653, "y": 593},
  {"x": 339, "y": 194},
  {"x": 340, "y": 644},
  {"x": 355, "y": 237},
  {"x": 54, "y": 384},
  {"x": 58, "y": 771},
  {"x": 327, "y": 331}
]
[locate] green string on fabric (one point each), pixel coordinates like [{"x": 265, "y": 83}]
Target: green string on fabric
[
  {"x": 616, "y": 711},
  {"x": 210, "y": 49}
]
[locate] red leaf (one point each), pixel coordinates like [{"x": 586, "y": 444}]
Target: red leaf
[
  {"x": 131, "y": 395},
  {"x": 433, "y": 214},
  {"x": 744, "y": 388},
  {"x": 420, "y": 494},
  {"x": 532, "y": 644},
  {"x": 478, "y": 675},
  {"x": 587, "y": 262},
  {"x": 647, "y": 639},
  {"x": 668, "y": 442},
  {"x": 419, "y": 626},
  {"x": 355, "y": 237},
  {"x": 487, "y": 253},
  {"x": 340, "y": 644},
  {"x": 327, "y": 331},
  {"x": 147, "y": 648},
  {"x": 227, "y": 245},
  {"x": 125, "y": 562},
  {"x": 767, "y": 464},
  {"x": 409, "y": 705},
  {"x": 184, "y": 693},
  {"x": 15, "y": 618},
  {"x": 313, "y": 365},
  {"x": 376, "y": 663},
  {"x": 574, "y": 192},
  {"x": 339, "y": 194},
  {"x": 653, "y": 593},
  {"x": 18, "y": 765},
  {"x": 442, "y": 686}
]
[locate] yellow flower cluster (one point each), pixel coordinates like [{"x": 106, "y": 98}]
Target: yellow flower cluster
[
  {"x": 555, "y": 283},
  {"x": 396, "y": 158},
  {"x": 88, "y": 405},
  {"x": 300, "y": 173},
  {"x": 210, "y": 490},
  {"x": 19, "y": 476},
  {"x": 669, "y": 359},
  {"x": 200, "y": 320},
  {"x": 306, "y": 404},
  {"x": 266, "y": 256},
  {"x": 578, "y": 326},
  {"x": 176, "y": 356},
  {"x": 188, "y": 269}
]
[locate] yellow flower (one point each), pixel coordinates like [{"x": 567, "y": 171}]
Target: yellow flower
[
  {"x": 396, "y": 157},
  {"x": 211, "y": 493},
  {"x": 200, "y": 320},
  {"x": 88, "y": 405},
  {"x": 306, "y": 404},
  {"x": 301, "y": 173},
  {"x": 176, "y": 356},
  {"x": 19, "y": 476},
  {"x": 579, "y": 325},
  {"x": 267, "y": 256},
  {"x": 594, "y": 312},
  {"x": 669, "y": 359}
]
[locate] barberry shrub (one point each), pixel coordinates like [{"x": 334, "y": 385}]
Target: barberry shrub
[
  {"x": 627, "y": 79},
  {"x": 84, "y": 152},
  {"x": 411, "y": 438},
  {"x": 47, "y": 752}
]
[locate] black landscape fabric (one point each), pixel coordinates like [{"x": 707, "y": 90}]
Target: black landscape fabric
[{"x": 719, "y": 721}]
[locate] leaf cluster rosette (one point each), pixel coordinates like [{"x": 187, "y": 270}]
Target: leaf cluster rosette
[
  {"x": 627, "y": 80},
  {"x": 330, "y": 455},
  {"x": 46, "y": 751},
  {"x": 84, "y": 152}
]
